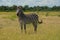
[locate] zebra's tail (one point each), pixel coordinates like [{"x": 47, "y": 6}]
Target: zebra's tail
[{"x": 40, "y": 21}]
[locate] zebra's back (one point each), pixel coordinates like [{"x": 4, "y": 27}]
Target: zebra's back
[{"x": 30, "y": 18}]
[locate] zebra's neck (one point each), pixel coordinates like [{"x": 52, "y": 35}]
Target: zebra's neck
[{"x": 22, "y": 15}]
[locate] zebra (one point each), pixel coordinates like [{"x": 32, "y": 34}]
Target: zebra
[{"x": 27, "y": 19}]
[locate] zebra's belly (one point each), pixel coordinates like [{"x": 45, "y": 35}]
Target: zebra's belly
[{"x": 28, "y": 22}]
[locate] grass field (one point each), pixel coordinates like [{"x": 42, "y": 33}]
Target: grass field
[{"x": 48, "y": 30}]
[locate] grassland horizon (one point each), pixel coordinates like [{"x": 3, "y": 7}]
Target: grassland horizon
[{"x": 48, "y": 30}]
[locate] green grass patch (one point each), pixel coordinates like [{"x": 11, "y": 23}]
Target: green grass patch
[{"x": 13, "y": 17}]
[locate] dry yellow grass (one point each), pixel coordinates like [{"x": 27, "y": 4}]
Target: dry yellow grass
[{"x": 48, "y": 30}]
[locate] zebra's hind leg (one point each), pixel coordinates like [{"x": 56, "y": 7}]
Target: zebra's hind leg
[
  {"x": 25, "y": 28},
  {"x": 35, "y": 27}
]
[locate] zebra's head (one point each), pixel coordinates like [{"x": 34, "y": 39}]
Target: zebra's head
[{"x": 19, "y": 10}]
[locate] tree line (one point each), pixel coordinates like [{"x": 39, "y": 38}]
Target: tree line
[{"x": 27, "y": 8}]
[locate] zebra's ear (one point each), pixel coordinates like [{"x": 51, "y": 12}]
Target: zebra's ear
[{"x": 19, "y": 7}]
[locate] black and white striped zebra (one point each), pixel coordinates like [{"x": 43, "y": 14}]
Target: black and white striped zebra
[{"x": 27, "y": 18}]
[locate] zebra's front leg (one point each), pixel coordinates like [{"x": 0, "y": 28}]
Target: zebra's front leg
[
  {"x": 21, "y": 27},
  {"x": 25, "y": 27}
]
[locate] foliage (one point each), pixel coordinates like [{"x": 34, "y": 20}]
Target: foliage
[{"x": 27, "y": 8}]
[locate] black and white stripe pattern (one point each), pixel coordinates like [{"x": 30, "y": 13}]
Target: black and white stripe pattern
[{"x": 27, "y": 18}]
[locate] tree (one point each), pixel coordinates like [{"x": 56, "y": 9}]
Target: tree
[{"x": 26, "y": 8}]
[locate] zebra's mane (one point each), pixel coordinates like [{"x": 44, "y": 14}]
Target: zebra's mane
[{"x": 22, "y": 15}]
